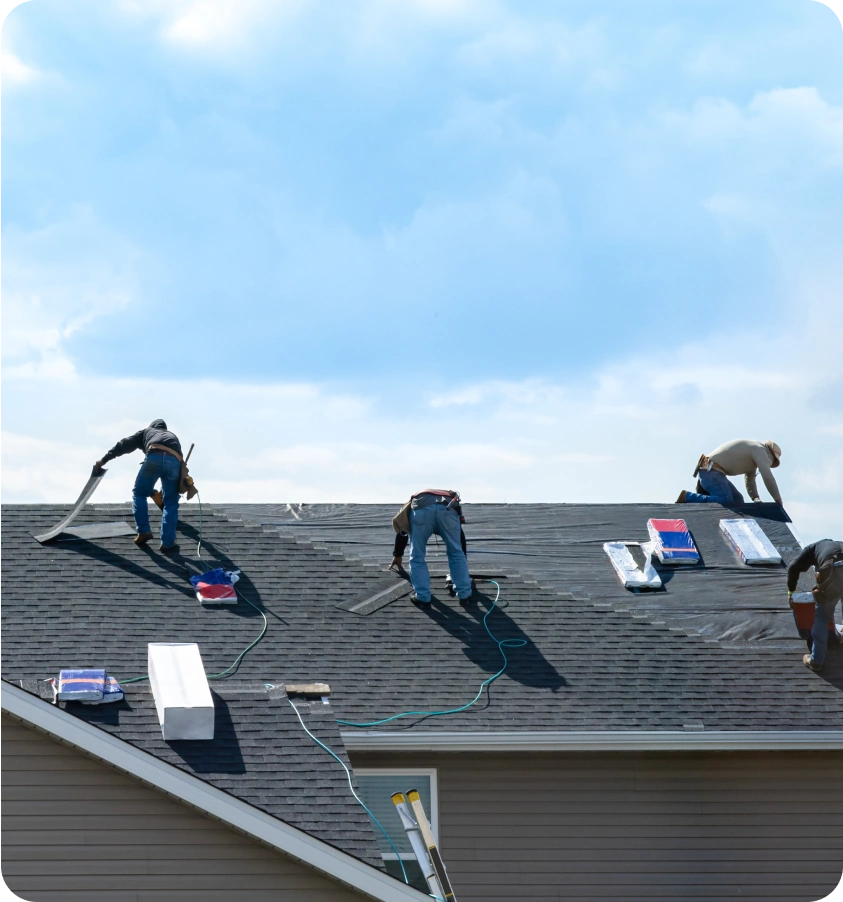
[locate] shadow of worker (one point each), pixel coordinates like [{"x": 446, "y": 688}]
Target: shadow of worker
[{"x": 525, "y": 663}]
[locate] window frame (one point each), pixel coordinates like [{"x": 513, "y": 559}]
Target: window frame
[{"x": 432, "y": 815}]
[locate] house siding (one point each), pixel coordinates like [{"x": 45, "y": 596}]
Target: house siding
[
  {"x": 666, "y": 826},
  {"x": 75, "y": 830}
]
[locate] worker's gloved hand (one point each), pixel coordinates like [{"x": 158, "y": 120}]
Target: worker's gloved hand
[
  {"x": 397, "y": 563},
  {"x": 99, "y": 469}
]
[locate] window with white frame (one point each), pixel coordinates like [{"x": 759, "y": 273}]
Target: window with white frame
[{"x": 377, "y": 786}]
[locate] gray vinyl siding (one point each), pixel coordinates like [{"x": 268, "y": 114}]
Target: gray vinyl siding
[
  {"x": 664, "y": 826},
  {"x": 75, "y": 830}
]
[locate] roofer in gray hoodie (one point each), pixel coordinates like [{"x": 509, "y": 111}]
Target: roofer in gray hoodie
[
  {"x": 163, "y": 461},
  {"x": 741, "y": 457}
]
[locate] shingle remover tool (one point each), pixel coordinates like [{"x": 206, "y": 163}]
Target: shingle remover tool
[{"x": 90, "y": 488}]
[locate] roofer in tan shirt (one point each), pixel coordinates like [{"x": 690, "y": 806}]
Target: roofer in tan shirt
[{"x": 741, "y": 457}]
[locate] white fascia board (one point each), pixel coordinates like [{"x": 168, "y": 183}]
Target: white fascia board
[
  {"x": 703, "y": 740},
  {"x": 295, "y": 843}
]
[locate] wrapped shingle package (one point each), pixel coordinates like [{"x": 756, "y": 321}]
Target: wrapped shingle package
[
  {"x": 111, "y": 692},
  {"x": 673, "y": 542},
  {"x": 216, "y": 586},
  {"x": 748, "y": 539},
  {"x": 628, "y": 571},
  {"x": 77, "y": 685}
]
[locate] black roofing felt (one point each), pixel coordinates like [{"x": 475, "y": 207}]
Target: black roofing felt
[
  {"x": 560, "y": 545},
  {"x": 590, "y": 663}
]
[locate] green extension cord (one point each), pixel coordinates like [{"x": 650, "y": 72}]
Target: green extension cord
[
  {"x": 501, "y": 643},
  {"x": 239, "y": 658}
]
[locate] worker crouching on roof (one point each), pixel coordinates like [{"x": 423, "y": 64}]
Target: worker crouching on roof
[
  {"x": 163, "y": 461},
  {"x": 826, "y": 557},
  {"x": 432, "y": 511},
  {"x": 741, "y": 457}
]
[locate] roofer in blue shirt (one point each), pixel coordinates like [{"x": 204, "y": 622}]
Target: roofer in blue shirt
[
  {"x": 163, "y": 461},
  {"x": 826, "y": 557},
  {"x": 428, "y": 512}
]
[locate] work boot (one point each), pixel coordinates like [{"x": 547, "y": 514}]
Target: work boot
[
  {"x": 165, "y": 549},
  {"x": 142, "y": 538},
  {"x": 806, "y": 660},
  {"x": 158, "y": 497},
  {"x": 681, "y": 498},
  {"x": 419, "y": 601}
]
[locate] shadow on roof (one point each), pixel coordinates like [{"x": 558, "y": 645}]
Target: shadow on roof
[
  {"x": 133, "y": 568},
  {"x": 527, "y": 665},
  {"x": 222, "y": 754},
  {"x": 832, "y": 673}
]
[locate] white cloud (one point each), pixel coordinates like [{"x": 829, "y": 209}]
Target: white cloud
[
  {"x": 630, "y": 433},
  {"x": 90, "y": 274},
  {"x": 768, "y": 128},
  {"x": 16, "y": 72},
  {"x": 221, "y": 27}
]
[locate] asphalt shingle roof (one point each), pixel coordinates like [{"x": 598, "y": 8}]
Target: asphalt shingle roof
[{"x": 591, "y": 663}]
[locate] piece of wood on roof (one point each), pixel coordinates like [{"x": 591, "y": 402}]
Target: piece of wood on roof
[{"x": 308, "y": 689}]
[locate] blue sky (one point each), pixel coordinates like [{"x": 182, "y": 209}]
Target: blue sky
[{"x": 545, "y": 250}]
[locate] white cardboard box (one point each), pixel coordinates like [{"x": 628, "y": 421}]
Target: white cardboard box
[{"x": 182, "y": 697}]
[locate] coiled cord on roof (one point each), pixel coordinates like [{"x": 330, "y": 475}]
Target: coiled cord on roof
[{"x": 501, "y": 643}]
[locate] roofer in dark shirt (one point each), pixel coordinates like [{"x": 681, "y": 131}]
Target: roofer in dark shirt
[
  {"x": 163, "y": 461},
  {"x": 428, "y": 512},
  {"x": 826, "y": 556}
]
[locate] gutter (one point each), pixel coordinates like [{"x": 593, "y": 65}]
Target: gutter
[
  {"x": 597, "y": 741},
  {"x": 295, "y": 843}
]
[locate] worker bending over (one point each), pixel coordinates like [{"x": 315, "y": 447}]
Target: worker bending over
[
  {"x": 741, "y": 457},
  {"x": 432, "y": 511},
  {"x": 163, "y": 461},
  {"x": 826, "y": 557}
]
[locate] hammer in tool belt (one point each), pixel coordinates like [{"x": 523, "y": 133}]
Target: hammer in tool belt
[{"x": 158, "y": 496}]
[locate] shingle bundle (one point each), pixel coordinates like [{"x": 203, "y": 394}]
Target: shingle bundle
[
  {"x": 90, "y": 686},
  {"x": 216, "y": 586},
  {"x": 631, "y": 575},
  {"x": 747, "y": 538},
  {"x": 672, "y": 542}
]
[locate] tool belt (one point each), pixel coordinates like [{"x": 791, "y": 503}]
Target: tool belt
[
  {"x": 401, "y": 521},
  {"x": 186, "y": 484},
  {"x": 706, "y": 463}
]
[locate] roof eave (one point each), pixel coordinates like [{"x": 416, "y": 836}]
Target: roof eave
[
  {"x": 596, "y": 741},
  {"x": 295, "y": 843}
]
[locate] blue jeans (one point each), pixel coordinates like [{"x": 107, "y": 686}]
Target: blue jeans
[
  {"x": 158, "y": 465},
  {"x": 445, "y": 523},
  {"x": 720, "y": 490},
  {"x": 819, "y": 633}
]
